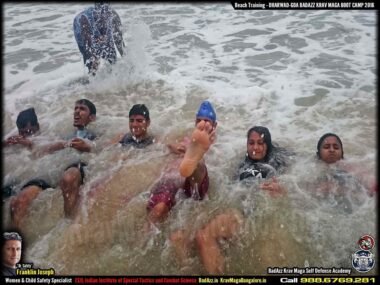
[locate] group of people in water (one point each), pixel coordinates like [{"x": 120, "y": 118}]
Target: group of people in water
[{"x": 264, "y": 162}]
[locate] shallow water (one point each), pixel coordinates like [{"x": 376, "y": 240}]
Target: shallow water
[{"x": 300, "y": 73}]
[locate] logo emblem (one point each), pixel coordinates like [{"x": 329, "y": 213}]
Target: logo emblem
[
  {"x": 363, "y": 260},
  {"x": 366, "y": 242}
]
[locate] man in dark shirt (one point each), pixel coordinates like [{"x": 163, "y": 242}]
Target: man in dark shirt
[
  {"x": 11, "y": 253},
  {"x": 139, "y": 122}
]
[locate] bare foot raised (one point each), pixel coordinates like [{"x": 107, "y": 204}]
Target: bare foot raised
[{"x": 201, "y": 139}]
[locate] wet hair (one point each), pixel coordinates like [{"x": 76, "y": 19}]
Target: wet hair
[
  {"x": 25, "y": 117},
  {"x": 89, "y": 104},
  {"x": 264, "y": 132},
  {"x": 10, "y": 236},
  {"x": 319, "y": 144},
  {"x": 139, "y": 109}
]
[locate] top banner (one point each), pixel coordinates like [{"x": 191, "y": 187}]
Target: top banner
[{"x": 302, "y": 5}]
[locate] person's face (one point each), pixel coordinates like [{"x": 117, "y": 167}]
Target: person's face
[
  {"x": 82, "y": 116},
  {"x": 138, "y": 126},
  {"x": 331, "y": 150},
  {"x": 11, "y": 253},
  {"x": 256, "y": 146},
  {"x": 28, "y": 130}
]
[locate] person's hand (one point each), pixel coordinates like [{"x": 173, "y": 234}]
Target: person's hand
[
  {"x": 273, "y": 187},
  {"x": 18, "y": 140},
  {"x": 80, "y": 145}
]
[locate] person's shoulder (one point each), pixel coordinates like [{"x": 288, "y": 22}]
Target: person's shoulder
[
  {"x": 125, "y": 138},
  {"x": 114, "y": 13},
  {"x": 86, "y": 13},
  {"x": 83, "y": 12},
  {"x": 89, "y": 9}
]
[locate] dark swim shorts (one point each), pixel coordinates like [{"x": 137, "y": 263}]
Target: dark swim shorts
[
  {"x": 37, "y": 182},
  {"x": 165, "y": 191},
  {"x": 11, "y": 188},
  {"x": 79, "y": 165}
]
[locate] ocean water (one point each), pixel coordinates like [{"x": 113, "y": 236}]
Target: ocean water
[{"x": 301, "y": 73}]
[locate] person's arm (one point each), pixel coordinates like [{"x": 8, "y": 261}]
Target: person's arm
[
  {"x": 363, "y": 174},
  {"x": 117, "y": 33},
  {"x": 273, "y": 187},
  {"x": 81, "y": 144},
  {"x": 86, "y": 32},
  {"x": 17, "y": 139},
  {"x": 115, "y": 140},
  {"x": 50, "y": 148}
]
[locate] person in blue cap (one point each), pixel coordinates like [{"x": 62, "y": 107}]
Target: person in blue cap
[
  {"x": 97, "y": 30},
  {"x": 193, "y": 178}
]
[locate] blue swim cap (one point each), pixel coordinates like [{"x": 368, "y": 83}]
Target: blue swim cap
[{"x": 206, "y": 111}]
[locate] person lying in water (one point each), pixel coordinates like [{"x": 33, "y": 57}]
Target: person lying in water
[
  {"x": 138, "y": 135},
  {"x": 28, "y": 126},
  {"x": 339, "y": 175},
  {"x": 192, "y": 175},
  {"x": 73, "y": 176},
  {"x": 263, "y": 162}
]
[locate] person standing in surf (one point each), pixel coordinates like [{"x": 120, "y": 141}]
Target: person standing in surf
[{"x": 97, "y": 30}]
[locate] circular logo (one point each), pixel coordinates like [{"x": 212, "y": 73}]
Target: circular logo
[
  {"x": 366, "y": 242},
  {"x": 363, "y": 260}
]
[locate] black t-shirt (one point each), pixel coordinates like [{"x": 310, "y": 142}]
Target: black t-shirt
[
  {"x": 8, "y": 271},
  {"x": 129, "y": 140},
  {"x": 255, "y": 170},
  {"x": 276, "y": 163}
]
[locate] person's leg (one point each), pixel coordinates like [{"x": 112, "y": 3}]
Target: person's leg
[
  {"x": 181, "y": 244},
  {"x": 224, "y": 226},
  {"x": 92, "y": 64},
  {"x": 20, "y": 203},
  {"x": 193, "y": 165},
  {"x": 161, "y": 200},
  {"x": 70, "y": 186},
  {"x": 158, "y": 213},
  {"x": 201, "y": 140}
]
